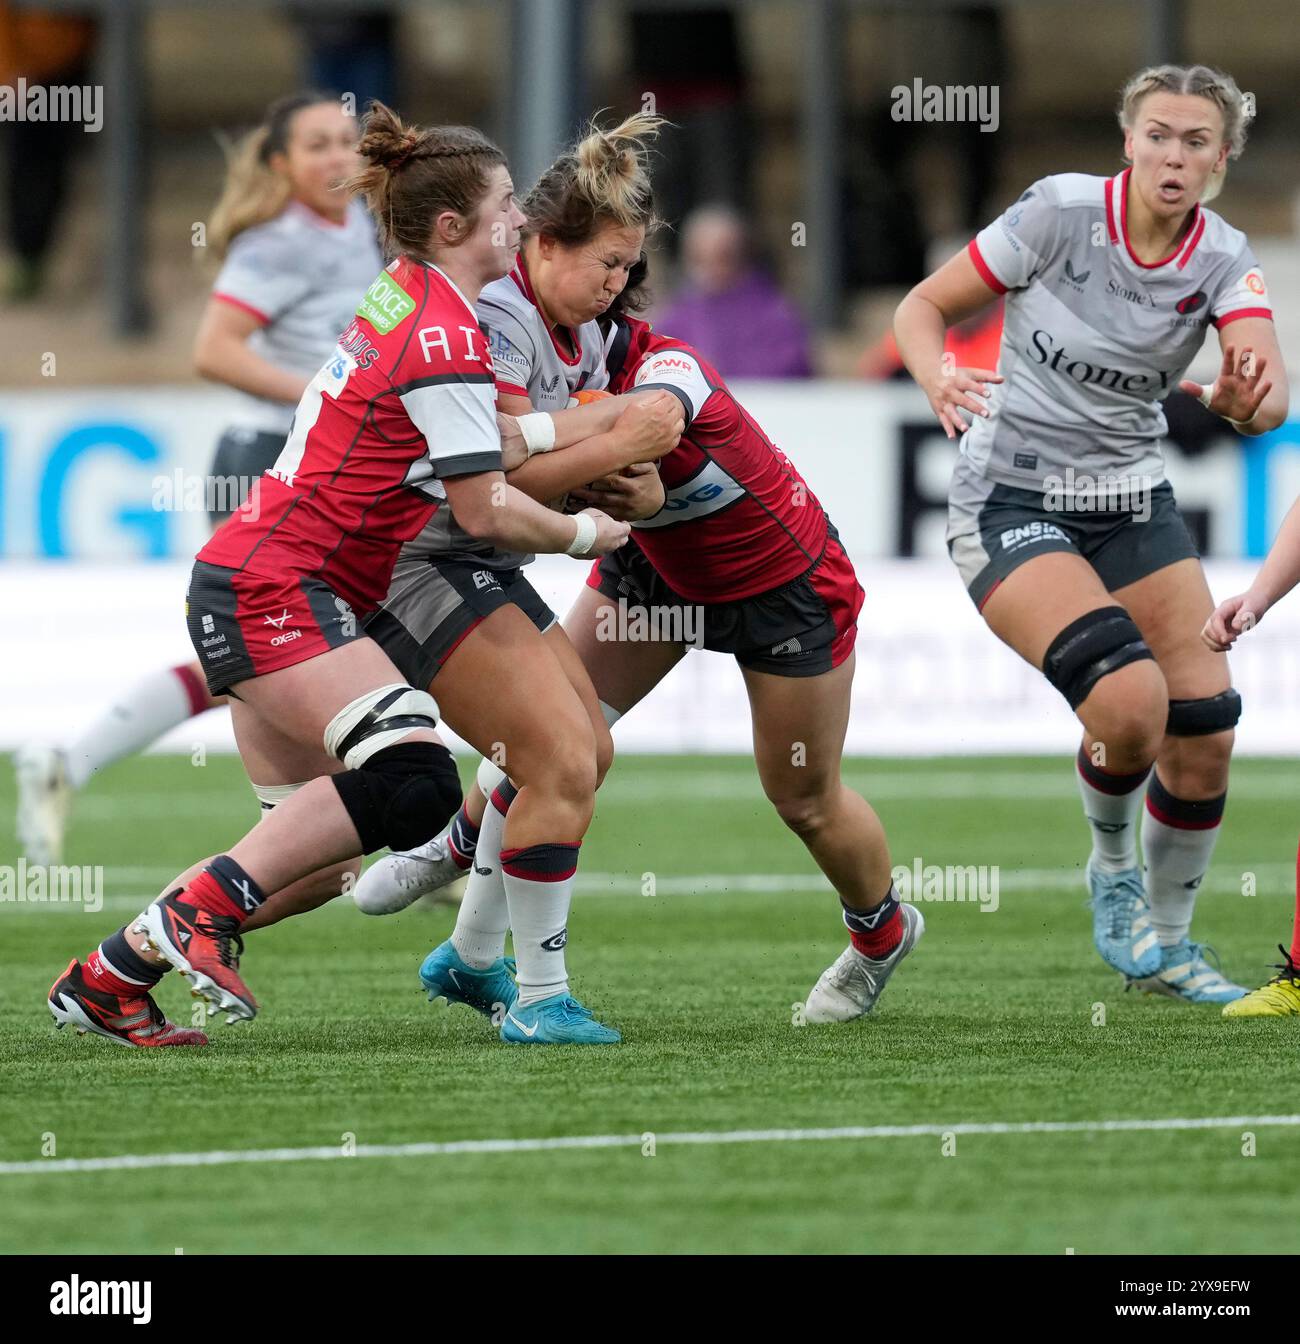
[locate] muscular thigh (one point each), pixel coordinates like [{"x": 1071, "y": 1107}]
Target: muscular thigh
[
  {"x": 622, "y": 672},
  {"x": 799, "y": 728},
  {"x": 1034, "y": 603},
  {"x": 1170, "y": 607},
  {"x": 566, "y": 655},
  {"x": 302, "y": 699},
  {"x": 272, "y": 756},
  {"x": 280, "y": 718},
  {"x": 505, "y": 690}
]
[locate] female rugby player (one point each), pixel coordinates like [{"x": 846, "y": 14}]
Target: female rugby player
[
  {"x": 1061, "y": 523},
  {"x": 398, "y": 425},
  {"x": 296, "y": 255},
  {"x": 587, "y": 220},
  {"x": 740, "y": 539}
]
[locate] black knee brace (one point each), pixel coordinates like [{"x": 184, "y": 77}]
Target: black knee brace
[
  {"x": 1211, "y": 714},
  {"x": 402, "y": 796},
  {"x": 1091, "y": 648}
]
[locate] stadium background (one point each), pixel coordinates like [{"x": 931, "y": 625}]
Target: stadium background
[
  {"x": 845, "y": 203},
  {"x": 997, "y": 1022}
]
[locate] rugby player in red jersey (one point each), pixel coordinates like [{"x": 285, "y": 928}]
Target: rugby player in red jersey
[
  {"x": 296, "y": 253},
  {"x": 588, "y": 217},
  {"x": 741, "y": 547},
  {"x": 398, "y": 425}
]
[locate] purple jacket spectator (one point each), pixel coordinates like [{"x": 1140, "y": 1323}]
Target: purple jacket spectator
[{"x": 730, "y": 311}]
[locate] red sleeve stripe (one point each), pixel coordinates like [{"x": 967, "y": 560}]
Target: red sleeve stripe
[
  {"x": 510, "y": 389},
  {"x": 1242, "y": 312},
  {"x": 982, "y": 267},
  {"x": 239, "y": 303}
]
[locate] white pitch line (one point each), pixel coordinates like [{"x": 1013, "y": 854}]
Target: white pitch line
[
  {"x": 885, "y": 782},
  {"x": 627, "y": 886},
  {"x": 227, "y": 1157}
]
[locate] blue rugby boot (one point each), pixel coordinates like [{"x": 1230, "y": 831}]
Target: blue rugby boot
[
  {"x": 490, "y": 992},
  {"x": 559, "y": 1020},
  {"x": 1186, "y": 974},
  {"x": 1121, "y": 922}
]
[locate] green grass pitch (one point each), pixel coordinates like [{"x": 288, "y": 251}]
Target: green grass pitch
[{"x": 992, "y": 1020}]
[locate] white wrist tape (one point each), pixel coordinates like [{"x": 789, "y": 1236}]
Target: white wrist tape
[
  {"x": 585, "y": 537},
  {"x": 538, "y": 430}
]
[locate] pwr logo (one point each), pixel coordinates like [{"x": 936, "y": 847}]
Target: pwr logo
[{"x": 96, "y": 1297}]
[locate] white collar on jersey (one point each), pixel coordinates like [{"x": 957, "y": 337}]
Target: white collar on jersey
[
  {"x": 456, "y": 288},
  {"x": 1116, "y": 194}
]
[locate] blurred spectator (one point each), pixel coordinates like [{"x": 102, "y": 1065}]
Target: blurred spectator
[
  {"x": 44, "y": 49},
  {"x": 353, "y": 53},
  {"x": 729, "y": 309},
  {"x": 689, "y": 58}
]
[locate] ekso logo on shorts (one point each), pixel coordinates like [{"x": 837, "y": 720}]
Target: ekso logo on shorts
[
  {"x": 1014, "y": 538},
  {"x": 385, "y": 304}
]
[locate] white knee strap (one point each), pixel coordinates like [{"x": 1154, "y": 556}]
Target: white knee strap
[
  {"x": 271, "y": 794},
  {"x": 380, "y": 717}
]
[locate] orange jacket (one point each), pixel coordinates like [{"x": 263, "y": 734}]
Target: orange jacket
[{"x": 37, "y": 47}]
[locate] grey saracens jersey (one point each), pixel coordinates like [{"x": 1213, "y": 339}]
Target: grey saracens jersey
[
  {"x": 528, "y": 363},
  {"x": 527, "y": 359},
  {"x": 301, "y": 276},
  {"x": 1094, "y": 339}
]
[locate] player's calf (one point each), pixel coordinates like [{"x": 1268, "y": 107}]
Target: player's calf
[{"x": 196, "y": 927}]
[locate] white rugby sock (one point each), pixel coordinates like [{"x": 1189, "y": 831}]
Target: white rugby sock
[
  {"x": 539, "y": 889},
  {"x": 139, "y": 716},
  {"x": 1178, "y": 838},
  {"x": 1111, "y": 804},
  {"x": 484, "y": 918}
]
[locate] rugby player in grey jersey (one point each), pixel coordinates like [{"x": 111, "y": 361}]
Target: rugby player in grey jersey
[
  {"x": 296, "y": 254},
  {"x": 1064, "y": 530}
]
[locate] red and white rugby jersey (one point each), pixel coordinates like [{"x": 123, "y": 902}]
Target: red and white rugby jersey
[
  {"x": 407, "y": 397},
  {"x": 1094, "y": 339},
  {"x": 738, "y": 519},
  {"x": 528, "y": 362}
]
